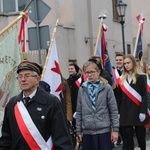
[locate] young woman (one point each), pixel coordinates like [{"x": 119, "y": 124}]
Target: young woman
[
  {"x": 133, "y": 111},
  {"x": 97, "y": 113}
]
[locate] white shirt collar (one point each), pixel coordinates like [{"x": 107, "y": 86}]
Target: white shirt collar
[
  {"x": 120, "y": 69},
  {"x": 129, "y": 78},
  {"x": 31, "y": 95}
]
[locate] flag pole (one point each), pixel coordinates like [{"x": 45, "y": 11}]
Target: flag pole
[
  {"x": 101, "y": 17},
  {"x": 22, "y": 14},
  {"x": 136, "y": 42},
  {"x": 49, "y": 49}
]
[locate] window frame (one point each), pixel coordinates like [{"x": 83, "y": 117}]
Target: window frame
[
  {"x": 115, "y": 13},
  {"x": 128, "y": 49},
  {"x": 16, "y": 11}
]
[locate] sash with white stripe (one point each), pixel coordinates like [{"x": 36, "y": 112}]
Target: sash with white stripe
[
  {"x": 116, "y": 76},
  {"x": 78, "y": 82},
  {"x": 84, "y": 78},
  {"x": 131, "y": 93},
  {"x": 148, "y": 84},
  {"x": 148, "y": 114},
  {"x": 29, "y": 130}
]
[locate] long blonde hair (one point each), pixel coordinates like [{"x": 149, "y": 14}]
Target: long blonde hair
[
  {"x": 88, "y": 63},
  {"x": 135, "y": 70}
]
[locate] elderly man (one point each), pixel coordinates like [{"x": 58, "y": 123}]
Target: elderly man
[{"x": 34, "y": 119}]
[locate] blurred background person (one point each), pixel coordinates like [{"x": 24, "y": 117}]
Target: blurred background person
[
  {"x": 73, "y": 70},
  {"x": 74, "y": 77},
  {"x": 103, "y": 73},
  {"x": 117, "y": 73},
  {"x": 45, "y": 86},
  {"x": 141, "y": 65}
]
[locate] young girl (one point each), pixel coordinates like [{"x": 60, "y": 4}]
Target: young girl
[
  {"x": 97, "y": 112},
  {"x": 133, "y": 110}
]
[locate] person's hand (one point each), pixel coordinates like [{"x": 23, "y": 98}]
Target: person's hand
[
  {"x": 142, "y": 117},
  {"x": 114, "y": 136},
  {"x": 70, "y": 122},
  {"x": 74, "y": 115},
  {"x": 79, "y": 138}
]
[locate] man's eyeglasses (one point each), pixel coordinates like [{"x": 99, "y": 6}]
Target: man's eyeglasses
[
  {"x": 26, "y": 76},
  {"x": 90, "y": 73}
]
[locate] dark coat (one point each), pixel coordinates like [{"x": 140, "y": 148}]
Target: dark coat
[
  {"x": 74, "y": 90},
  {"x": 54, "y": 124},
  {"x": 106, "y": 76},
  {"x": 118, "y": 93},
  {"x": 129, "y": 111}
]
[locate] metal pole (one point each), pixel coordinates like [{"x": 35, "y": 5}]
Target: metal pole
[
  {"x": 123, "y": 39},
  {"x": 37, "y": 30},
  {"x": 26, "y": 7},
  {"x": 102, "y": 16}
]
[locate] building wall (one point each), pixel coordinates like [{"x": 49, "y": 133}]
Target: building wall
[{"x": 78, "y": 20}]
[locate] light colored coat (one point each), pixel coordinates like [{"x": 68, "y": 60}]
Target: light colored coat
[{"x": 91, "y": 122}]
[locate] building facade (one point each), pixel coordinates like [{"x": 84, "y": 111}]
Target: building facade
[{"x": 78, "y": 27}]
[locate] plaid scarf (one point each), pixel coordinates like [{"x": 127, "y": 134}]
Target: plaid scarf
[{"x": 92, "y": 89}]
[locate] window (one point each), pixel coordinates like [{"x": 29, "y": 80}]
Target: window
[
  {"x": 9, "y": 6},
  {"x": 115, "y": 14},
  {"x": 22, "y": 4},
  {"x": 128, "y": 49}
]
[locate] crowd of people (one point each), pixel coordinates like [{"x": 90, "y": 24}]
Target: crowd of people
[{"x": 89, "y": 113}]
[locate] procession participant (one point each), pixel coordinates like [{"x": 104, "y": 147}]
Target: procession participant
[
  {"x": 72, "y": 81},
  {"x": 148, "y": 91},
  {"x": 133, "y": 109},
  {"x": 73, "y": 70},
  {"x": 97, "y": 111},
  {"x": 117, "y": 74},
  {"x": 103, "y": 73},
  {"x": 45, "y": 86},
  {"x": 34, "y": 119}
]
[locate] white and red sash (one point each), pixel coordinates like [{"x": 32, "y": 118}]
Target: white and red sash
[
  {"x": 29, "y": 130},
  {"x": 78, "y": 82},
  {"x": 84, "y": 78},
  {"x": 148, "y": 114},
  {"x": 131, "y": 93},
  {"x": 148, "y": 84},
  {"x": 117, "y": 77}
]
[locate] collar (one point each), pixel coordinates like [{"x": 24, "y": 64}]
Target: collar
[
  {"x": 31, "y": 95},
  {"x": 119, "y": 69},
  {"x": 129, "y": 79},
  {"x": 95, "y": 83}
]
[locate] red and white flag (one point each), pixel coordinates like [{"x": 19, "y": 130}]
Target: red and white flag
[
  {"x": 52, "y": 71},
  {"x": 141, "y": 20},
  {"x": 23, "y": 32}
]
